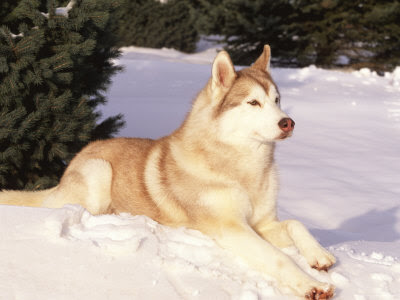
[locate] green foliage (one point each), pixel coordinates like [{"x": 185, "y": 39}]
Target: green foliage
[
  {"x": 344, "y": 33},
  {"x": 253, "y": 24},
  {"x": 209, "y": 16},
  {"x": 54, "y": 69},
  {"x": 327, "y": 33},
  {"x": 149, "y": 23}
]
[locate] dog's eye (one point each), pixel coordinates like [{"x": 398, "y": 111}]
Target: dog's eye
[
  {"x": 254, "y": 102},
  {"x": 277, "y": 100}
]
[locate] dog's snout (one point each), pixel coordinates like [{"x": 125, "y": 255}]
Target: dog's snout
[{"x": 286, "y": 124}]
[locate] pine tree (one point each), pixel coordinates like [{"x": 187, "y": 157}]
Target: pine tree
[
  {"x": 255, "y": 23},
  {"x": 246, "y": 25},
  {"x": 327, "y": 33},
  {"x": 375, "y": 38},
  {"x": 149, "y": 23},
  {"x": 55, "y": 64},
  {"x": 209, "y": 16},
  {"x": 345, "y": 33}
]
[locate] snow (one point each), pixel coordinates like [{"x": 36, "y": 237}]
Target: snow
[
  {"x": 62, "y": 11},
  {"x": 339, "y": 176},
  {"x": 394, "y": 77},
  {"x": 14, "y": 36}
]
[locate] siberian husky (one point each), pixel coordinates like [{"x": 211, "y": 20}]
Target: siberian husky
[{"x": 216, "y": 173}]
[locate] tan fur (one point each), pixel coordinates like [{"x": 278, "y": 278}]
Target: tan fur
[
  {"x": 34, "y": 199},
  {"x": 216, "y": 173}
]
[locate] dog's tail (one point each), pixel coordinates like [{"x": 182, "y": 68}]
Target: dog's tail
[{"x": 24, "y": 198}]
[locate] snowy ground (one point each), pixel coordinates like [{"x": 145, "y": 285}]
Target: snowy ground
[{"x": 340, "y": 175}]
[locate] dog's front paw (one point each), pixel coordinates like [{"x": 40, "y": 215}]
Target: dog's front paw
[
  {"x": 320, "y": 259},
  {"x": 315, "y": 290},
  {"x": 319, "y": 293}
]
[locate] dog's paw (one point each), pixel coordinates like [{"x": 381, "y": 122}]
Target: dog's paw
[
  {"x": 320, "y": 259},
  {"x": 315, "y": 290},
  {"x": 318, "y": 293}
]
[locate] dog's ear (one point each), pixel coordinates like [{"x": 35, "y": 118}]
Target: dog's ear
[
  {"x": 223, "y": 72},
  {"x": 262, "y": 62}
]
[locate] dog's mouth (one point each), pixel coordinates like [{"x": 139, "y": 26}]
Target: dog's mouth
[{"x": 284, "y": 135}]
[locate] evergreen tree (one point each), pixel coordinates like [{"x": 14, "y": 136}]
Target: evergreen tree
[
  {"x": 209, "y": 16},
  {"x": 251, "y": 24},
  {"x": 328, "y": 33},
  {"x": 55, "y": 64},
  {"x": 344, "y": 33},
  {"x": 149, "y": 23}
]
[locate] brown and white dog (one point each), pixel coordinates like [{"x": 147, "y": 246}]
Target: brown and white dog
[{"x": 216, "y": 173}]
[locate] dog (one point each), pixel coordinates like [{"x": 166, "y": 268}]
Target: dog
[{"x": 216, "y": 173}]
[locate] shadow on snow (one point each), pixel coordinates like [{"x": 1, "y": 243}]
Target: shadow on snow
[{"x": 374, "y": 225}]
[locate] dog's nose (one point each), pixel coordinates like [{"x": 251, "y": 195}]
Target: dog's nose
[{"x": 286, "y": 124}]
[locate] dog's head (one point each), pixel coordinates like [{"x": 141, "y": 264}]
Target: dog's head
[{"x": 247, "y": 103}]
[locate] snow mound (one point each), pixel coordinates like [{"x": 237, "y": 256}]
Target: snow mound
[
  {"x": 117, "y": 257},
  {"x": 394, "y": 77},
  {"x": 125, "y": 256}
]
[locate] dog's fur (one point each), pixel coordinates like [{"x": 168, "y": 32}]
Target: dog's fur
[{"x": 216, "y": 173}]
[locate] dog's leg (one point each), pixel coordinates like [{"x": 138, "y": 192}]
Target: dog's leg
[
  {"x": 246, "y": 243},
  {"x": 292, "y": 232}
]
